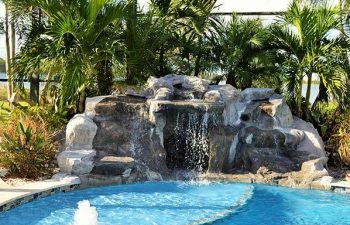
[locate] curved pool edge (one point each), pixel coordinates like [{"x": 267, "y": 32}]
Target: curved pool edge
[
  {"x": 12, "y": 197},
  {"x": 337, "y": 186}
]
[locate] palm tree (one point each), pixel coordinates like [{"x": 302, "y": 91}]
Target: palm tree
[
  {"x": 197, "y": 27},
  {"x": 244, "y": 54},
  {"x": 130, "y": 42},
  {"x": 10, "y": 45},
  {"x": 303, "y": 35},
  {"x": 74, "y": 44},
  {"x": 165, "y": 37}
]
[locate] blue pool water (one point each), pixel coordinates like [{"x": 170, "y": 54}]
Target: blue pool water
[{"x": 168, "y": 203}]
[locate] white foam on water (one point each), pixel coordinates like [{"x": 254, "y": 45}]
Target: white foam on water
[
  {"x": 237, "y": 204},
  {"x": 85, "y": 214},
  {"x": 199, "y": 182}
]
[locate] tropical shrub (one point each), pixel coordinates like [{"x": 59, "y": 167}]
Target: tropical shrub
[
  {"x": 244, "y": 57},
  {"x": 324, "y": 117},
  {"x": 302, "y": 38},
  {"x": 73, "y": 45},
  {"x": 26, "y": 147},
  {"x": 55, "y": 119},
  {"x": 339, "y": 142}
]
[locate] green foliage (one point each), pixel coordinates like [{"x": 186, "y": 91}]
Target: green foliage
[
  {"x": 324, "y": 116},
  {"x": 87, "y": 45},
  {"x": 4, "y": 112},
  {"x": 199, "y": 31},
  {"x": 244, "y": 57},
  {"x": 3, "y": 92},
  {"x": 305, "y": 48},
  {"x": 2, "y": 64},
  {"x": 339, "y": 142},
  {"x": 75, "y": 39},
  {"x": 26, "y": 146}
]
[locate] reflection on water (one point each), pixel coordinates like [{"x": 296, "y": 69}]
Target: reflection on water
[
  {"x": 314, "y": 88},
  {"x": 26, "y": 84},
  {"x": 314, "y": 92}
]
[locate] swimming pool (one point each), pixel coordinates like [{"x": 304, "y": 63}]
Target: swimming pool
[{"x": 188, "y": 203}]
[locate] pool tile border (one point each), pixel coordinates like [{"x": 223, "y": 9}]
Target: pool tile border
[
  {"x": 31, "y": 197},
  {"x": 11, "y": 203}
]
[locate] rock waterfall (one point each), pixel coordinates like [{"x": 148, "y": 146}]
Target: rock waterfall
[{"x": 183, "y": 122}]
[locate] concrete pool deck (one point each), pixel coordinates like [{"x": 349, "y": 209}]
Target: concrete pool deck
[{"x": 11, "y": 197}]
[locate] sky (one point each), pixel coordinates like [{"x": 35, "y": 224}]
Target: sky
[
  {"x": 246, "y": 5},
  {"x": 253, "y": 5},
  {"x": 224, "y": 6}
]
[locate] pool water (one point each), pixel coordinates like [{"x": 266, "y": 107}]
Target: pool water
[{"x": 188, "y": 203}]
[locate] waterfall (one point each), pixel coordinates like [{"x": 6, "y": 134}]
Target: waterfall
[
  {"x": 191, "y": 139},
  {"x": 85, "y": 214}
]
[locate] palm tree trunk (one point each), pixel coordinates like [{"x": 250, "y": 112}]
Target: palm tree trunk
[
  {"x": 8, "y": 54},
  {"x": 34, "y": 89},
  {"x": 341, "y": 5},
  {"x": 82, "y": 99},
  {"x": 299, "y": 98},
  {"x": 197, "y": 66},
  {"x": 13, "y": 42},
  {"x": 104, "y": 77},
  {"x": 231, "y": 78},
  {"x": 130, "y": 41},
  {"x": 308, "y": 90},
  {"x": 161, "y": 61},
  {"x": 35, "y": 79},
  {"x": 322, "y": 93}
]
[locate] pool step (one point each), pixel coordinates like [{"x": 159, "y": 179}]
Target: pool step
[
  {"x": 113, "y": 165},
  {"x": 342, "y": 186}
]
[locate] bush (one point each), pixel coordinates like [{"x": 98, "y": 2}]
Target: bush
[
  {"x": 325, "y": 116},
  {"x": 3, "y": 92},
  {"x": 27, "y": 148},
  {"x": 340, "y": 140},
  {"x": 48, "y": 115}
]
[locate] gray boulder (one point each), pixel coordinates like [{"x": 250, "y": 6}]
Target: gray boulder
[
  {"x": 254, "y": 94},
  {"x": 212, "y": 96},
  {"x": 77, "y": 162},
  {"x": 113, "y": 165},
  {"x": 185, "y": 85},
  {"x": 164, "y": 94},
  {"x": 312, "y": 142},
  {"x": 80, "y": 132},
  {"x": 155, "y": 84},
  {"x": 3, "y": 172}
]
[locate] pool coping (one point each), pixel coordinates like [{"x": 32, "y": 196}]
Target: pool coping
[
  {"x": 336, "y": 185},
  {"x": 11, "y": 197}
]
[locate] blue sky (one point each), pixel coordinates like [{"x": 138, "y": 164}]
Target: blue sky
[{"x": 225, "y": 6}]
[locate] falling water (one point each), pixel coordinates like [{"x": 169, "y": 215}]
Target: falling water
[
  {"x": 192, "y": 128},
  {"x": 85, "y": 214}
]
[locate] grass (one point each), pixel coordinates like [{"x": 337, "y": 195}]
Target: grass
[
  {"x": 5, "y": 109},
  {"x": 4, "y": 105},
  {"x": 4, "y": 112},
  {"x": 3, "y": 92}
]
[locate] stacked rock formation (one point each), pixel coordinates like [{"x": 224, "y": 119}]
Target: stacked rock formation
[{"x": 181, "y": 122}]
